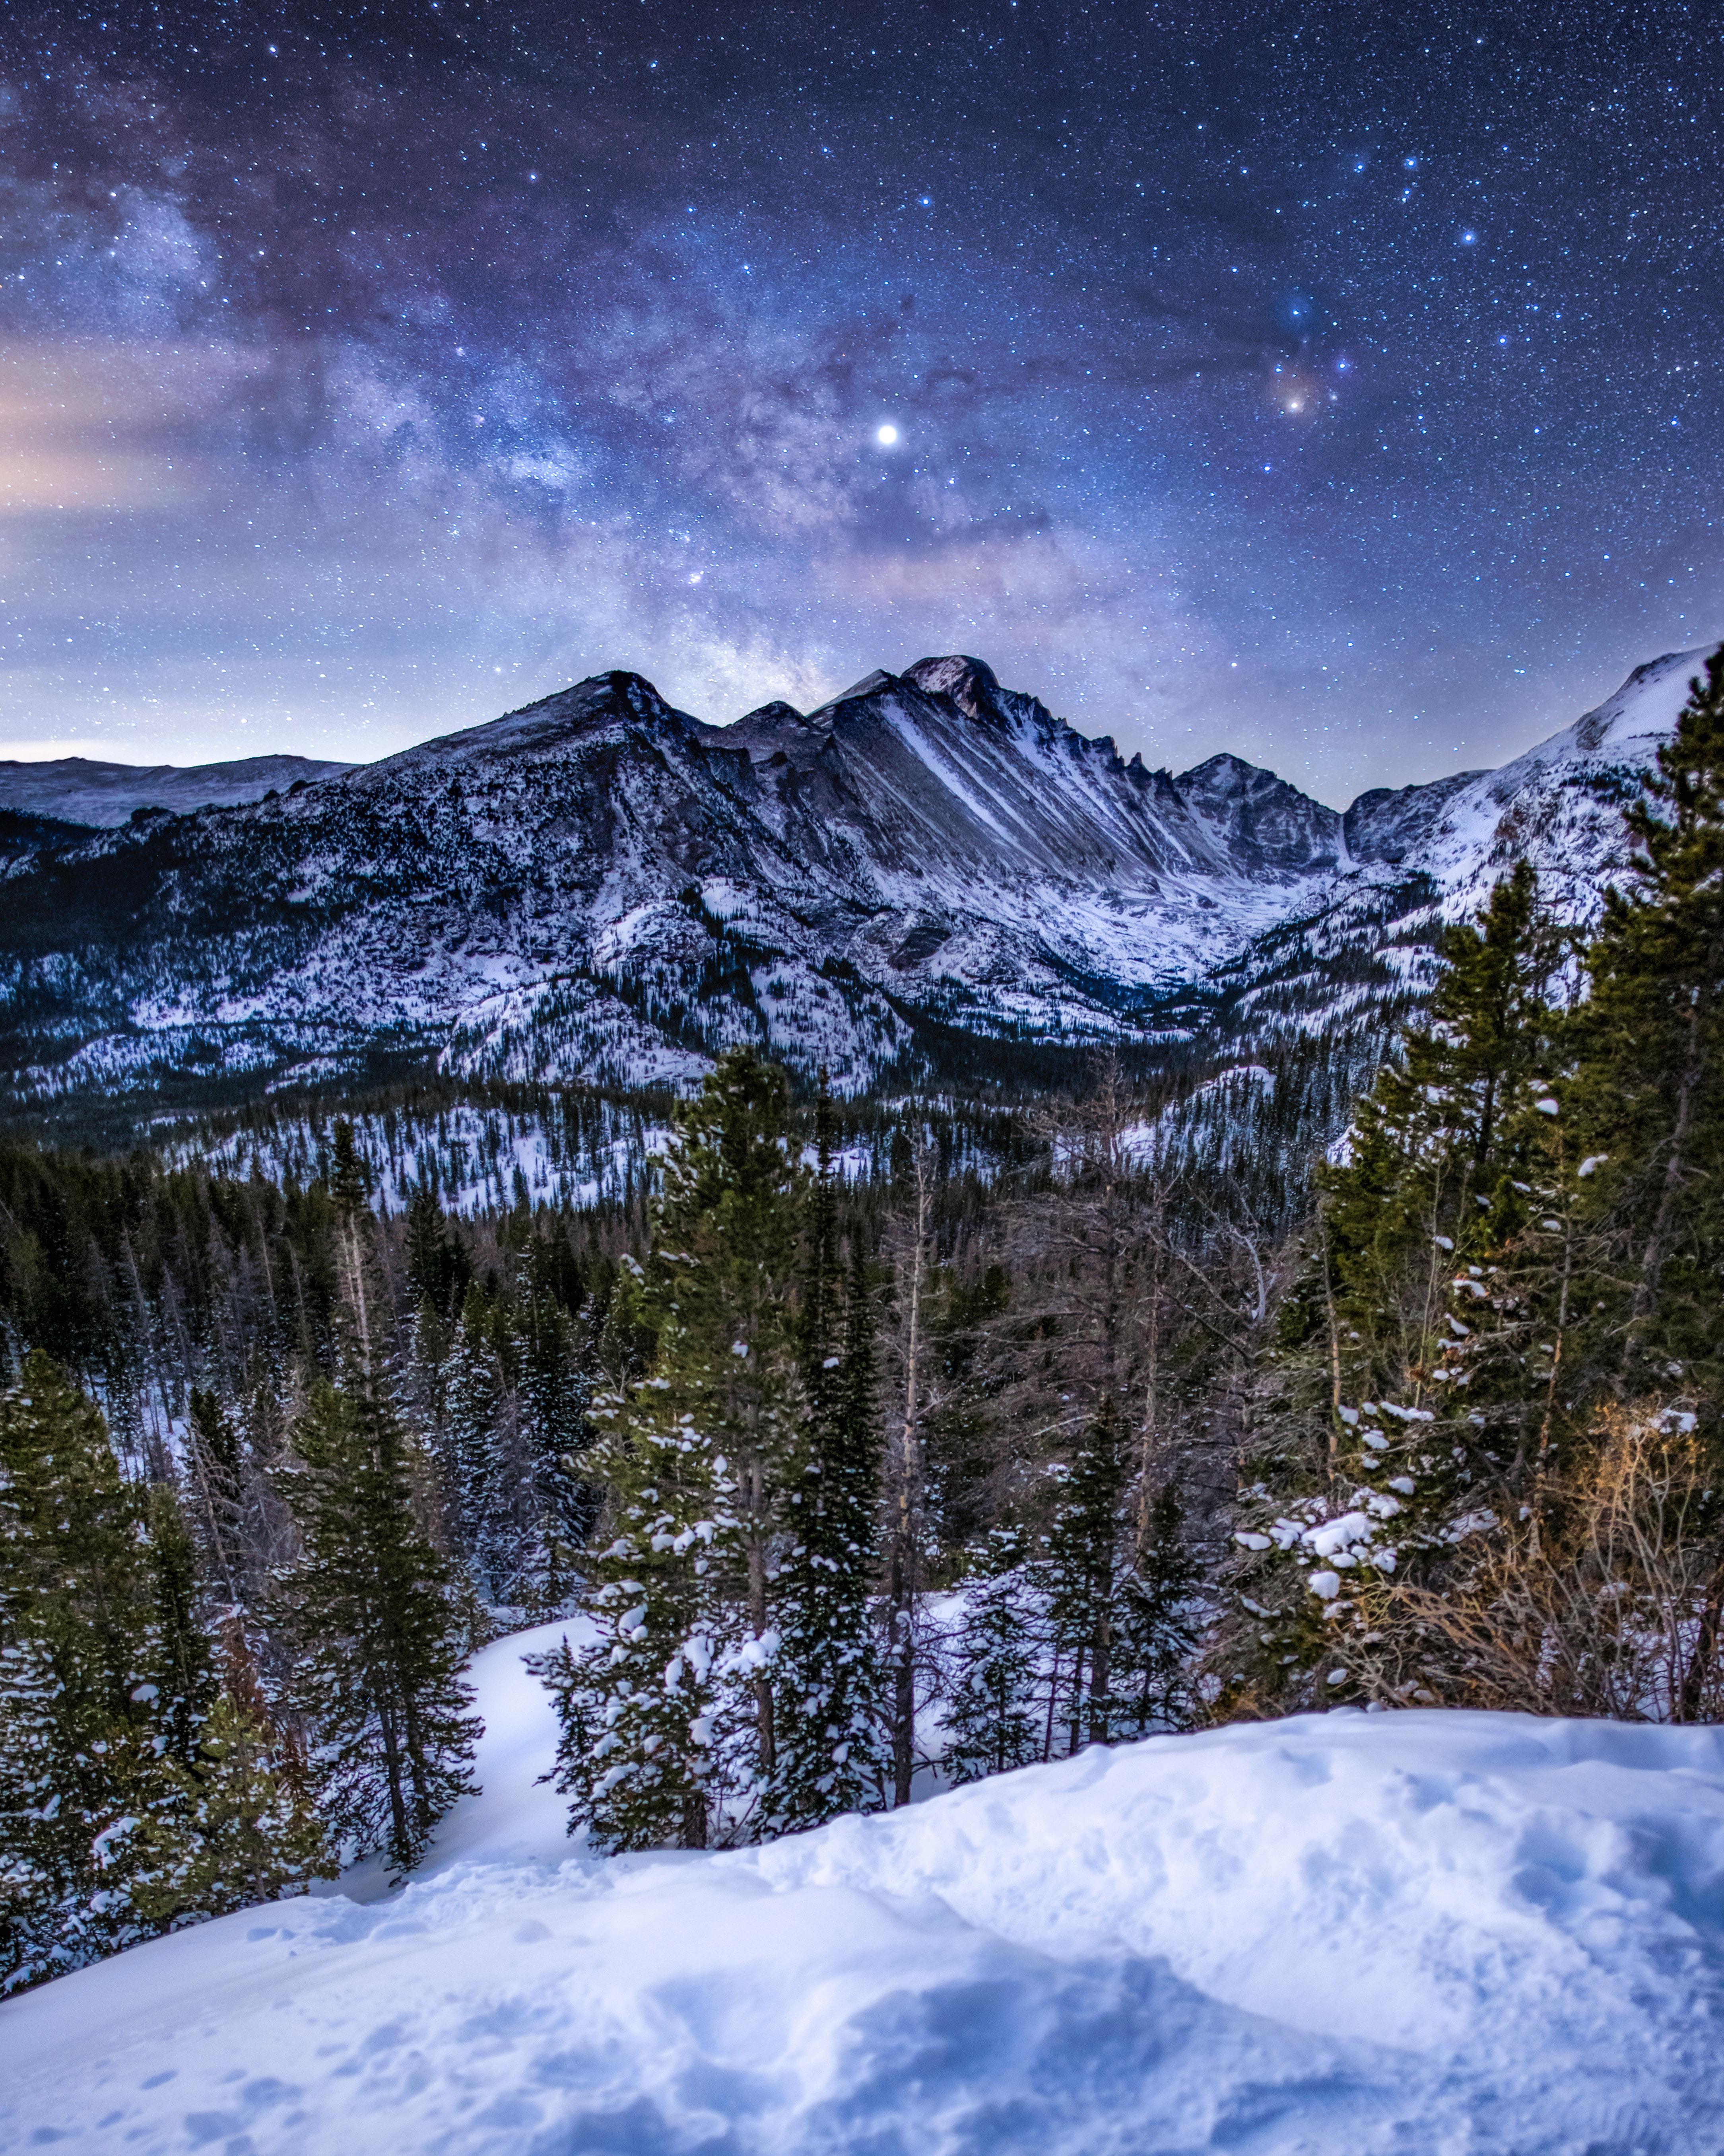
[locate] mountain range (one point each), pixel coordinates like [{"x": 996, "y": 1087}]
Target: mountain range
[
  {"x": 930, "y": 873},
  {"x": 74, "y": 790}
]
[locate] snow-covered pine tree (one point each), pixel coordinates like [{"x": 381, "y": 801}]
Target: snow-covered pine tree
[
  {"x": 78, "y": 1749},
  {"x": 1648, "y": 1106},
  {"x": 668, "y": 1721},
  {"x": 1156, "y": 1625},
  {"x": 1411, "y": 1202},
  {"x": 649, "y": 1748},
  {"x": 1648, "y": 1102},
  {"x": 181, "y": 1678},
  {"x": 477, "y": 1405},
  {"x": 379, "y": 1632},
  {"x": 215, "y": 1471},
  {"x": 1369, "y": 1458},
  {"x": 996, "y": 1684},
  {"x": 239, "y": 1828},
  {"x": 556, "y": 1503},
  {"x": 1083, "y": 1570},
  {"x": 902, "y": 1602},
  {"x": 828, "y": 1700}
]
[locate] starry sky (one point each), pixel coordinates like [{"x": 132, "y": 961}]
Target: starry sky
[{"x": 1338, "y": 384}]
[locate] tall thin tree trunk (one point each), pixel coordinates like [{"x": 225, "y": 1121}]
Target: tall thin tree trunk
[
  {"x": 1657, "y": 1249},
  {"x": 1151, "y": 1403},
  {"x": 903, "y": 1572},
  {"x": 1541, "y": 1466},
  {"x": 1334, "y": 1348},
  {"x": 765, "y": 1729},
  {"x": 1692, "y": 1698}
]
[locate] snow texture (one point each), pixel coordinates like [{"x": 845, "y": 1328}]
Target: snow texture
[
  {"x": 473, "y": 1160},
  {"x": 1414, "y": 1933}
]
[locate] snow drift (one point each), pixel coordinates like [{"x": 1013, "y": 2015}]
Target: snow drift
[{"x": 1419, "y": 1932}]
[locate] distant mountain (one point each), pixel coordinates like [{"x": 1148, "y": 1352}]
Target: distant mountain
[
  {"x": 931, "y": 874},
  {"x": 70, "y": 789}
]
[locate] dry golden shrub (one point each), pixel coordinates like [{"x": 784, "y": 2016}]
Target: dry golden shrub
[{"x": 1604, "y": 1598}]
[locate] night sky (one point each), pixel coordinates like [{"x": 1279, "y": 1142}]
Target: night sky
[{"x": 1336, "y": 384}]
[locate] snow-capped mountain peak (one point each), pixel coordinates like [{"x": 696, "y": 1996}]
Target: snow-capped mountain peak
[{"x": 601, "y": 885}]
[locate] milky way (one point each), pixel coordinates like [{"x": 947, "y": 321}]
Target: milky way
[{"x": 1336, "y": 384}]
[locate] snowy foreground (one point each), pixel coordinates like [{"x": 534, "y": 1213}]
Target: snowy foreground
[{"x": 1417, "y": 1933}]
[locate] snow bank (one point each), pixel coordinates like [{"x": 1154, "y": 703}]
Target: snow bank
[{"x": 1417, "y": 1933}]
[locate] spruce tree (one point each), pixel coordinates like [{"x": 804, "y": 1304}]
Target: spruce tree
[
  {"x": 438, "y": 1267},
  {"x": 1411, "y": 1201},
  {"x": 556, "y": 1502},
  {"x": 1395, "y": 1423},
  {"x": 182, "y": 1677},
  {"x": 1648, "y": 1102},
  {"x": 829, "y": 1676},
  {"x": 1155, "y": 1626},
  {"x": 1083, "y": 1570},
  {"x": 995, "y": 1709},
  {"x": 650, "y": 1748},
  {"x": 80, "y": 1674},
  {"x": 239, "y": 1827},
  {"x": 216, "y": 1473},
  {"x": 670, "y": 1721},
  {"x": 378, "y": 1630},
  {"x": 476, "y": 1401}
]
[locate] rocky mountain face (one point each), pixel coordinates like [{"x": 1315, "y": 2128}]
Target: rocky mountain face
[{"x": 932, "y": 873}]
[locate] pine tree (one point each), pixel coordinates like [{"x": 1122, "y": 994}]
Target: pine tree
[
  {"x": 239, "y": 1828},
  {"x": 649, "y": 1745},
  {"x": 438, "y": 1269},
  {"x": 1155, "y": 1626},
  {"x": 1649, "y": 1104},
  {"x": 556, "y": 1505},
  {"x": 1083, "y": 1570},
  {"x": 1411, "y": 1201},
  {"x": 670, "y": 1721},
  {"x": 996, "y": 1691},
  {"x": 216, "y": 1472},
  {"x": 1396, "y": 1424},
  {"x": 77, "y": 1680},
  {"x": 475, "y": 1404},
  {"x": 379, "y": 1631},
  {"x": 828, "y": 1679},
  {"x": 182, "y": 1678}
]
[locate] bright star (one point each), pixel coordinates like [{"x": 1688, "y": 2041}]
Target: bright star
[{"x": 886, "y": 436}]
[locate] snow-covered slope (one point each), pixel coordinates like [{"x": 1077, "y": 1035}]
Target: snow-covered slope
[
  {"x": 1424, "y": 1933},
  {"x": 71, "y": 789},
  {"x": 601, "y": 886},
  {"x": 1558, "y": 806}
]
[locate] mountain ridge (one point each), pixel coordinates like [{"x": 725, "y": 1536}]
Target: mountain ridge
[
  {"x": 601, "y": 885},
  {"x": 77, "y": 790}
]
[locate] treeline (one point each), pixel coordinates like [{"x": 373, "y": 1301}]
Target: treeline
[{"x": 857, "y": 1448}]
